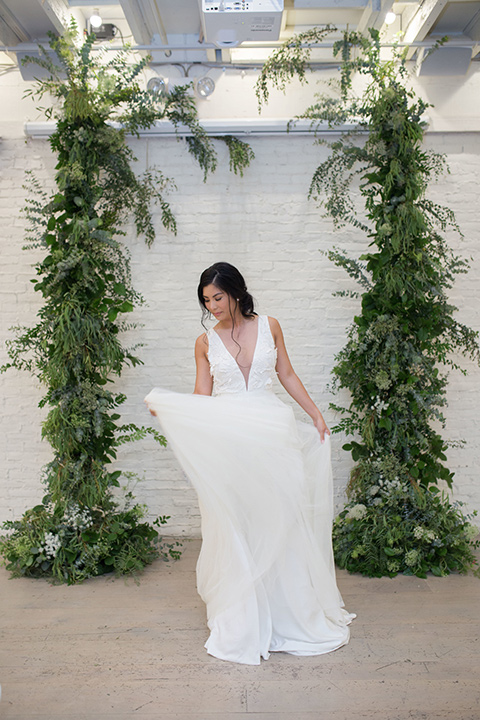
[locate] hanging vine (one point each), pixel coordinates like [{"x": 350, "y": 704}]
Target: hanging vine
[
  {"x": 406, "y": 330},
  {"x": 80, "y": 529}
]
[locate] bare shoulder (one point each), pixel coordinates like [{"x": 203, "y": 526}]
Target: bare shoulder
[
  {"x": 201, "y": 344},
  {"x": 274, "y": 326}
]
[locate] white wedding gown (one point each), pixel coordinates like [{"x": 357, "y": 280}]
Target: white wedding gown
[{"x": 264, "y": 484}]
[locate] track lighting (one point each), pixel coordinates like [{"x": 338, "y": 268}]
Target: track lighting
[
  {"x": 96, "y": 19},
  {"x": 204, "y": 87},
  {"x": 158, "y": 86}
]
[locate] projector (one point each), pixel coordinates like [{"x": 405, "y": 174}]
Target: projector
[{"x": 227, "y": 23}]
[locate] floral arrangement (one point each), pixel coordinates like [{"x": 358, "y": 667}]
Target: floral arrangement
[
  {"x": 75, "y": 349},
  {"x": 75, "y": 543},
  {"x": 393, "y": 525},
  {"x": 405, "y": 333}
]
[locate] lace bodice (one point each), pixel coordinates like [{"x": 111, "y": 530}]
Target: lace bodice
[{"x": 227, "y": 376}]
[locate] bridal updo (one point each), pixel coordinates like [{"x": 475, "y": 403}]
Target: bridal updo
[{"x": 227, "y": 278}]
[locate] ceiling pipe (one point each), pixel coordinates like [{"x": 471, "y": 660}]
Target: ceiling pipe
[
  {"x": 226, "y": 126},
  {"x": 208, "y": 46},
  {"x": 162, "y": 32}
]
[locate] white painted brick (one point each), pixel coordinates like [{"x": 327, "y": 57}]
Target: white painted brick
[{"x": 264, "y": 223}]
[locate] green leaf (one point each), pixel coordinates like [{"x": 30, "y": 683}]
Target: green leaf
[
  {"x": 389, "y": 551},
  {"x": 126, "y": 306}
]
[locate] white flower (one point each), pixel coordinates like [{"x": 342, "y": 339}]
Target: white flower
[
  {"x": 52, "y": 544},
  {"x": 471, "y": 532},
  {"x": 77, "y": 517},
  {"x": 418, "y": 532},
  {"x": 411, "y": 557},
  {"x": 357, "y": 512},
  {"x": 393, "y": 566},
  {"x": 380, "y": 405}
]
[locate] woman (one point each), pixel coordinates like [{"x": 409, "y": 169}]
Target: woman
[{"x": 264, "y": 485}]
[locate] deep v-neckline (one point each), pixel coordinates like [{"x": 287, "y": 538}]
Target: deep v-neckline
[{"x": 246, "y": 379}]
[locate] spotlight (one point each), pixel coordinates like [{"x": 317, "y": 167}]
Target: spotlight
[
  {"x": 158, "y": 86},
  {"x": 96, "y": 19},
  {"x": 390, "y": 18},
  {"x": 205, "y": 87}
]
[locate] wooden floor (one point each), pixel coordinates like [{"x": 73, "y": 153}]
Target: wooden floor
[{"x": 114, "y": 650}]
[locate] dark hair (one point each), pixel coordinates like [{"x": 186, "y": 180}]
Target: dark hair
[{"x": 227, "y": 278}]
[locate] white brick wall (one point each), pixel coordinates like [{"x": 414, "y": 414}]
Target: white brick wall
[{"x": 264, "y": 224}]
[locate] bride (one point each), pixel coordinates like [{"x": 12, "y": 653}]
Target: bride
[{"x": 264, "y": 485}]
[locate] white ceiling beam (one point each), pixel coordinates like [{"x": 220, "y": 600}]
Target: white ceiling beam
[
  {"x": 365, "y": 19},
  {"x": 90, "y": 3},
  {"x": 374, "y": 15},
  {"x": 57, "y": 12},
  {"x": 422, "y": 22},
  {"x": 136, "y": 22},
  {"x": 145, "y": 20},
  {"x": 160, "y": 27},
  {"x": 326, "y": 4},
  {"x": 11, "y": 31}
]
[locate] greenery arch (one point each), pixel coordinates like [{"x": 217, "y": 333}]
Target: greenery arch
[
  {"x": 397, "y": 519},
  {"x": 80, "y": 530}
]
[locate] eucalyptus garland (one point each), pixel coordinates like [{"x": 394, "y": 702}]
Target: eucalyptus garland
[
  {"x": 75, "y": 349},
  {"x": 406, "y": 330}
]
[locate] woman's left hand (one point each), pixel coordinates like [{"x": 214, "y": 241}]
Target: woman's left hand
[
  {"x": 322, "y": 428},
  {"x": 152, "y": 412}
]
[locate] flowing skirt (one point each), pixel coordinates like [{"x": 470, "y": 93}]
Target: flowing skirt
[{"x": 264, "y": 485}]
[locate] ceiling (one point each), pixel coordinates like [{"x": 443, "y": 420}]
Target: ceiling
[{"x": 172, "y": 30}]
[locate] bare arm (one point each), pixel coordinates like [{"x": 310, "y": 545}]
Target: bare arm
[
  {"x": 203, "y": 381},
  {"x": 292, "y": 383}
]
